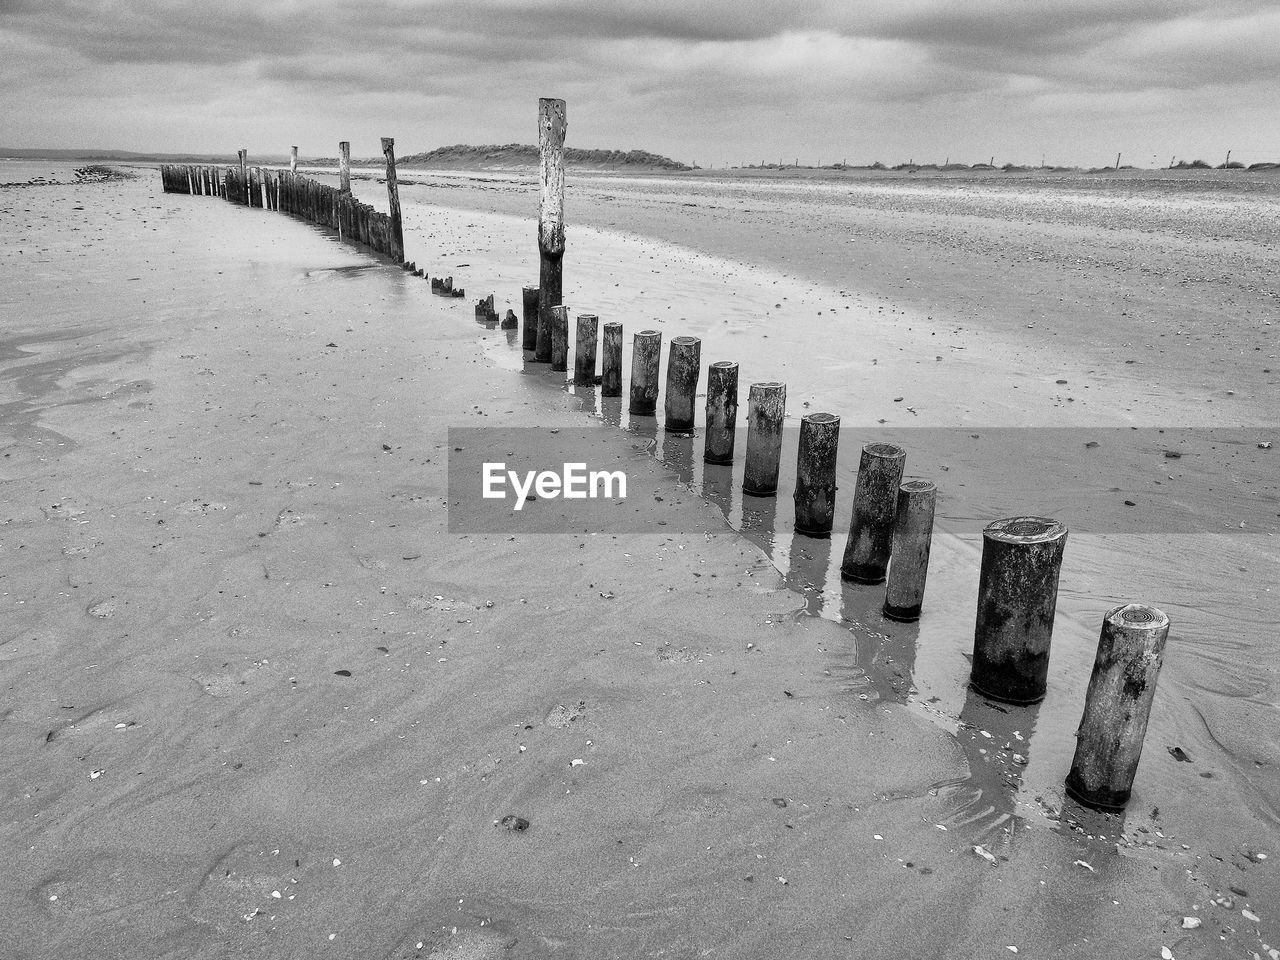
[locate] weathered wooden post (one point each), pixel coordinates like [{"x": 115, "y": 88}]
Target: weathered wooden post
[
  {"x": 611, "y": 361},
  {"x": 815, "y": 495},
  {"x": 244, "y": 174},
  {"x": 552, "y": 124},
  {"x": 646, "y": 353},
  {"x": 559, "y": 338},
  {"x": 684, "y": 364},
  {"x": 344, "y": 166},
  {"x": 542, "y": 339},
  {"x": 530, "y": 320},
  {"x": 584, "y": 350},
  {"x": 393, "y": 200},
  {"x": 912, "y": 538},
  {"x": 293, "y": 159},
  {"x": 1017, "y": 598},
  {"x": 1117, "y": 705},
  {"x": 875, "y": 499},
  {"x": 766, "y": 408},
  {"x": 722, "y": 412}
]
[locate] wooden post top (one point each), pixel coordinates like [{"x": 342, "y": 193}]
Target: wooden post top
[{"x": 552, "y": 125}]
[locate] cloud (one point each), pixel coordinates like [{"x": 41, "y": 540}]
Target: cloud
[{"x": 647, "y": 70}]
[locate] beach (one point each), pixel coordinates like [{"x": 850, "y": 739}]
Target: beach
[{"x": 261, "y": 699}]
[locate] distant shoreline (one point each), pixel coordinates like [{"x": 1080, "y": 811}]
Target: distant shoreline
[{"x": 515, "y": 158}]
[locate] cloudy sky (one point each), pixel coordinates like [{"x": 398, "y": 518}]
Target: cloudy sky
[{"x": 710, "y": 81}]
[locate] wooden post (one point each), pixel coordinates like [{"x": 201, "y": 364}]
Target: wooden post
[
  {"x": 396, "y": 244},
  {"x": 1017, "y": 598},
  {"x": 722, "y": 412},
  {"x": 547, "y": 284},
  {"x": 646, "y": 353},
  {"x": 815, "y": 495},
  {"x": 244, "y": 174},
  {"x": 611, "y": 361},
  {"x": 766, "y": 408},
  {"x": 344, "y": 166},
  {"x": 912, "y": 537},
  {"x": 559, "y": 338},
  {"x": 875, "y": 499},
  {"x": 552, "y": 124},
  {"x": 584, "y": 350},
  {"x": 684, "y": 363},
  {"x": 530, "y": 321},
  {"x": 293, "y": 159},
  {"x": 1117, "y": 705}
]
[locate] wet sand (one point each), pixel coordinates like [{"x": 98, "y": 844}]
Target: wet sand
[{"x": 224, "y": 465}]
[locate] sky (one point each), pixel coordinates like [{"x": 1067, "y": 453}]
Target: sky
[{"x": 702, "y": 81}]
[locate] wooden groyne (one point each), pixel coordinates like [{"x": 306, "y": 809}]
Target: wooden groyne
[
  {"x": 892, "y": 515},
  {"x": 288, "y": 191}
]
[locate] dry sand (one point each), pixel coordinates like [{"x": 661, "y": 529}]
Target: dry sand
[{"x": 225, "y": 440}]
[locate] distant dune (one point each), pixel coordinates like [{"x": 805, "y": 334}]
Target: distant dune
[{"x": 520, "y": 156}]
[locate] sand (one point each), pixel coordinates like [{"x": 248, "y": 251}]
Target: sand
[{"x": 225, "y": 448}]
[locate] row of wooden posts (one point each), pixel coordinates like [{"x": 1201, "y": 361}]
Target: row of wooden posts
[
  {"x": 290, "y": 192},
  {"x": 890, "y": 536},
  {"x": 892, "y": 525}
]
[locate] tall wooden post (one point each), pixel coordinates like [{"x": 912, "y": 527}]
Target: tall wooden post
[
  {"x": 584, "y": 350},
  {"x": 875, "y": 501},
  {"x": 766, "y": 408},
  {"x": 912, "y": 537},
  {"x": 344, "y": 166},
  {"x": 611, "y": 362},
  {"x": 646, "y": 352},
  {"x": 552, "y": 124},
  {"x": 293, "y": 159},
  {"x": 815, "y": 496},
  {"x": 722, "y": 411},
  {"x": 1117, "y": 705},
  {"x": 529, "y": 332},
  {"x": 683, "y": 366},
  {"x": 1017, "y": 598},
  {"x": 393, "y": 200}
]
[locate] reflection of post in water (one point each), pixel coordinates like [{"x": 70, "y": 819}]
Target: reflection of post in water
[
  {"x": 886, "y": 651},
  {"x": 644, "y": 426},
  {"x": 807, "y": 572},
  {"x": 586, "y": 396},
  {"x": 611, "y": 411},
  {"x": 759, "y": 516},
  {"x": 760, "y": 526},
  {"x": 717, "y": 486},
  {"x": 996, "y": 741},
  {"x": 677, "y": 455}
]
